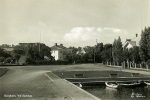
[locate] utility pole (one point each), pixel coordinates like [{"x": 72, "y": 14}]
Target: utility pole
[
  {"x": 94, "y": 51},
  {"x": 141, "y": 22},
  {"x": 94, "y": 55},
  {"x": 39, "y": 43}
]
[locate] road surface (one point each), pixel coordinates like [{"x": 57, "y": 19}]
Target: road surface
[{"x": 38, "y": 83}]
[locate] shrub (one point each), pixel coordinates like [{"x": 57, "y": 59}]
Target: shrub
[
  {"x": 148, "y": 63},
  {"x": 8, "y": 60},
  {"x": 2, "y": 59}
]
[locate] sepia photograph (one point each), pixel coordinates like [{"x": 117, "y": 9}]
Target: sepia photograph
[{"x": 74, "y": 49}]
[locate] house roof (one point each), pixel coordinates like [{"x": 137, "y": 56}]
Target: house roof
[
  {"x": 82, "y": 51},
  {"x": 9, "y": 49},
  {"x": 58, "y": 47},
  {"x": 133, "y": 43}
]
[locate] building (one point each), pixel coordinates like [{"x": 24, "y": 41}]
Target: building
[
  {"x": 59, "y": 52},
  {"x": 130, "y": 43},
  {"x": 29, "y": 44},
  {"x": 81, "y": 51},
  {"x": 7, "y": 48}
]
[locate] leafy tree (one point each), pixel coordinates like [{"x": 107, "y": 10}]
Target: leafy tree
[
  {"x": 114, "y": 52},
  {"x": 2, "y": 59},
  {"x": 90, "y": 52},
  {"x": 37, "y": 53},
  {"x": 148, "y": 46},
  {"x": 8, "y": 60},
  {"x": 4, "y": 53},
  {"x": 17, "y": 52},
  {"x": 117, "y": 51},
  {"x": 126, "y": 57},
  {"x": 144, "y": 45},
  {"x": 135, "y": 57},
  {"x": 107, "y": 53},
  {"x": 71, "y": 55},
  {"x": 98, "y": 52}
]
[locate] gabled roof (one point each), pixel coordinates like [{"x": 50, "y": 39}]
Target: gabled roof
[
  {"x": 58, "y": 47},
  {"x": 82, "y": 51},
  {"x": 133, "y": 43}
]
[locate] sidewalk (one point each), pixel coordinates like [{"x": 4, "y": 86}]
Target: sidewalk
[{"x": 69, "y": 90}]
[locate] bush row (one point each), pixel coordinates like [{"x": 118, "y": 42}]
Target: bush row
[{"x": 46, "y": 62}]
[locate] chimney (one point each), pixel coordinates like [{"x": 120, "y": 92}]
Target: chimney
[
  {"x": 136, "y": 35},
  {"x": 55, "y": 44},
  {"x": 61, "y": 45},
  {"x": 128, "y": 39}
]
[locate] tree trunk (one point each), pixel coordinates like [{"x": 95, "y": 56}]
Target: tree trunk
[
  {"x": 135, "y": 65},
  {"x": 140, "y": 66},
  {"x": 146, "y": 66},
  {"x": 130, "y": 65},
  {"x": 127, "y": 64},
  {"x": 124, "y": 64}
]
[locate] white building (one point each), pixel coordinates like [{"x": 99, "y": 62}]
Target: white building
[
  {"x": 129, "y": 44},
  {"x": 81, "y": 51},
  {"x": 59, "y": 52}
]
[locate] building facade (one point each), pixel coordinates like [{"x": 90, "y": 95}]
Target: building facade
[
  {"x": 59, "y": 52},
  {"x": 129, "y": 44},
  {"x": 7, "y": 48}
]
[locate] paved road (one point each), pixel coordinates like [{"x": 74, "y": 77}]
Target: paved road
[{"x": 32, "y": 83}]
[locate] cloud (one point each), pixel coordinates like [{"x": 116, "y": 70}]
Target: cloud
[
  {"x": 81, "y": 34},
  {"x": 78, "y": 34},
  {"x": 113, "y": 29}
]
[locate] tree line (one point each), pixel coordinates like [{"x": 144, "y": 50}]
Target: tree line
[
  {"x": 109, "y": 54},
  {"x": 115, "y": 54}
]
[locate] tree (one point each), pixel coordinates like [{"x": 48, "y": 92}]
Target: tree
[
  {"x": 8, "y": 60},
  {"x": 71, "y": 55},
  {"x": 144, "y": 45},
  {"x": 4, "y": 53},
  {"x": 98, "y": 52},
  {"x": 126, "y": 57},
  {"x": 107, "y": 53},
  {"x": 117, "y": 51},
  {"x": 2, "y": 59},
  {"x": 135, "y": 57},
  {"x": 114, "y": 53},
  {"x": 17, "y": 53},
  {"x": 90, "y": 52},
  {"x": 38, "y": 54}
]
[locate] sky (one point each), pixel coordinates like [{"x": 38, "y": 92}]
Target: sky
[{"x": 72, "y": 22}]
